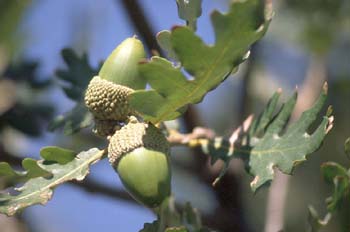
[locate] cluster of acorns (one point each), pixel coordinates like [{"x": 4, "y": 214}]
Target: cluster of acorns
[{"x": 138, "y": 151}]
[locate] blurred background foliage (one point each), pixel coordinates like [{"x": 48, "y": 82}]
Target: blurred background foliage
[{"x": 308, "y": 43}]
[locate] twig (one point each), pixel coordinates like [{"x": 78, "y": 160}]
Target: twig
[
  {"x": 201, "y": 135},
  {"x": 141, "y": 23},
  {"x": 176, "y": 138},
  {"x": 93, "y": 186}
]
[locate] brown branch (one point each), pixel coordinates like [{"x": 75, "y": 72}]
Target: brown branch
[
  {"x": 141, "y": 23},
  {"x": 93, "y": 186}
]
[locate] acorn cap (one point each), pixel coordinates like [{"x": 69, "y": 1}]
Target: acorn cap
[
  {"x": 108, "y": 101},
  {"x": 134, "y": 135}
]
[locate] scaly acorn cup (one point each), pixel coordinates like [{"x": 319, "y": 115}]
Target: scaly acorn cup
[
  {"x": 107, "y": 94},
  {"x": 139, "y": 153},
  {"x": 108, "y": 101}
]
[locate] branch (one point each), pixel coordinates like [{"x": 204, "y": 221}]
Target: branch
[
  {"x": 141, "y": 23},
  {"x": 176, "y": 138},
  {"x": 201, "y": 135},
  {"x": 93, "y": 186}
]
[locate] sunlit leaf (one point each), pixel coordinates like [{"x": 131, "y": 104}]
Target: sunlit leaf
[
  {"x": 57, "y": 154},
  {"x": 31, "y": 169},
  {"x": 164, "y": 41},
  {"x": 264, "y": 144},
  {"x": 339, "y": 177},
  {"x": 189, "y": 10},
  {"x": 244, "y": 24},
  {"x": 38, "y": 190}
]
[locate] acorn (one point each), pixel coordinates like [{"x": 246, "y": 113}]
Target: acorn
[
  {"x": 121, "y": 66},
  {"x": 139, "y": 153},
  {"x": 107, "y": 94}
]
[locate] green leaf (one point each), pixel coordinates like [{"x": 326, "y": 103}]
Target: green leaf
[
  {"x": 77, "y": 75},
  {"x": 263, "y": 145},
  {"x": 331, "y": 170},
  {"x": 191, "y": 218},
  {"x": 31, "y": 170},
  {"x": 176, "y": 229},
  {"x": 315, "y": 222},
  {"x": 164, "y": 41},
  {"x": 189, "y": 10},
  {"x": 170, "y": 220},
  {"x": 57, "y": 154},
  {"x": 341, "y": 189},
  {"x": 150, "y": 227},
  {"x": 347, "y": 147},
  {"x": 39, "y": 190},
  {"x": 338, "y": 176},
  {"x": 73, "y": 121},
  {"x": 76, "y": 78},
  {"x": 235, "y": 32}
]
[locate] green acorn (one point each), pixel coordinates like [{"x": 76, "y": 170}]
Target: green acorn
[
  {"x": 121, "y": 67},
  {"x": 107, "y": 94},
  {"x": 139, "y": 152}
]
